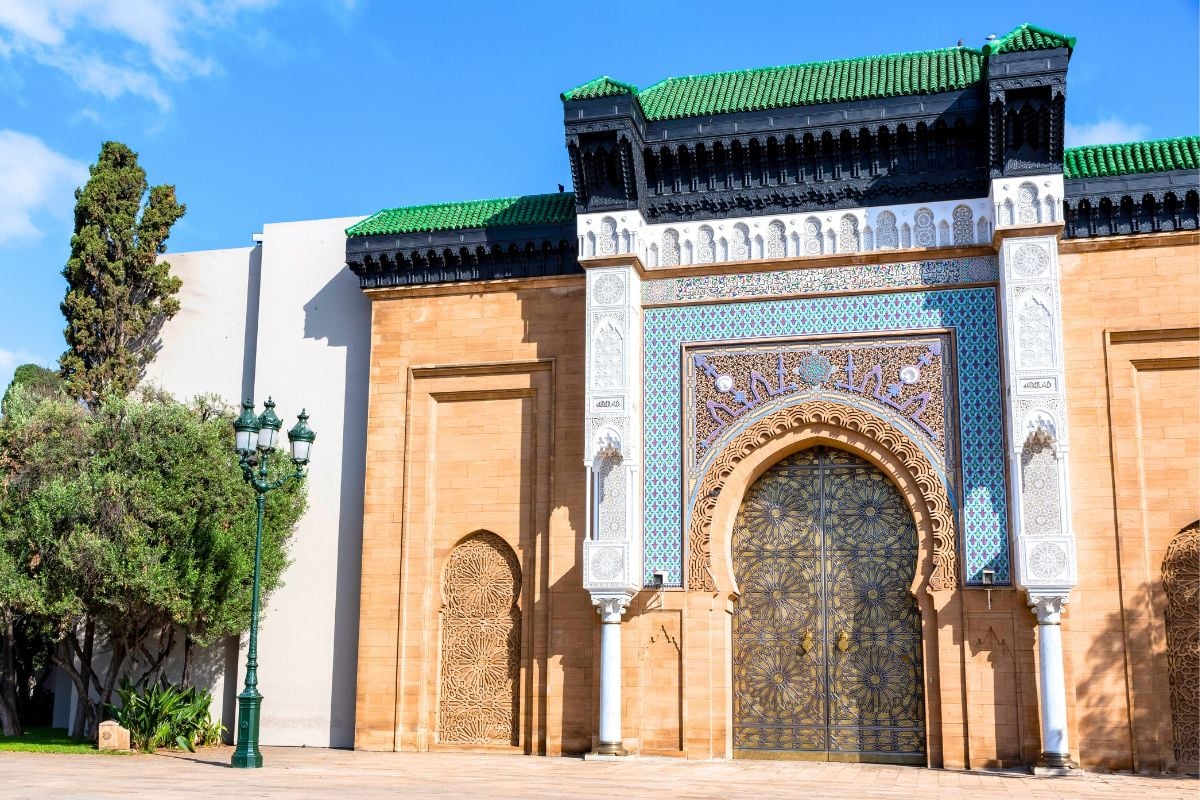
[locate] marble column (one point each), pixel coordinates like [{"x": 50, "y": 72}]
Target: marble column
[
  {"x": 1053, "y": 696},
  {"x": 610, "y": 609}
]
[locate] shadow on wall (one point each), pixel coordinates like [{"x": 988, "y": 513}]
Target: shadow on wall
[
  {"x": 341, "y": 314},
  {"x": 1163, "y": 726},
  {"x": 557, "y": 328},
  {"x": 250, "y": 348}
]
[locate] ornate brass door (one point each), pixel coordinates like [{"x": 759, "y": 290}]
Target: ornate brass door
[{"x": 826, "y": 637}]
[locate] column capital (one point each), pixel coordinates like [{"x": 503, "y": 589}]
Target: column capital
[
  {"x": 611, "y": 607},
  {"x": 1048, "y": 607}
]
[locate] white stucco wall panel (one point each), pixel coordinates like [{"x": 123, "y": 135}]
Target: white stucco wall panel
[
  {"x": 205, "y": 346},
  {"x": 313, "y": 351}
]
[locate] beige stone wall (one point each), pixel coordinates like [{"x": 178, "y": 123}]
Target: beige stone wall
[
  {"x": 475, "y": 423},
  {"x": 1131, "y": 307}
]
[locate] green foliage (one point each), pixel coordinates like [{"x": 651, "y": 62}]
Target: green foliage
[
  {"x": 119, "y": 293},
  {"x": 39, "y": 380},
  {"x": 166, "y": 716},
  {"x": 132, "y": 517}
]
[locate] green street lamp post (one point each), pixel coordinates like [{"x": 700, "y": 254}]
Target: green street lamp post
[{"x": 256, "y": 440}]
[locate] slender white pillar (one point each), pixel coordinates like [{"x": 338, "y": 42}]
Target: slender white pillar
[
  {"x": 611, "y": 610},
  {"x": 1055, "y": 750}
]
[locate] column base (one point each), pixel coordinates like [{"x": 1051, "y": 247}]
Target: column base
[
  {"x": 606, "y": 751},
  {"x": 1055, "y": 765}
]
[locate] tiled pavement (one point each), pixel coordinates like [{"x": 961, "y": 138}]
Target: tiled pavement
[{"x": 312, "y": 773}]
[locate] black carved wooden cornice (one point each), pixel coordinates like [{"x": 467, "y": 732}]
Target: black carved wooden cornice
[
  {"x": 886, "y": 151},
  {"x": 1150, "y": 202},
  {"x": 463, "y": 255},
  {"x": 1026, "y": 95}
]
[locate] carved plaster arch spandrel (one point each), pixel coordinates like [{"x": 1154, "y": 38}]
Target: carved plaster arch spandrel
[{"x": 915, "y": 473}]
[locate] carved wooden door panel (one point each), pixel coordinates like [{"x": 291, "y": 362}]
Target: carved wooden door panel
[
  {"x": 1181, "y": 581},
  {"x": 481, "y": 644},
  {"x": 826, "y": 637}
]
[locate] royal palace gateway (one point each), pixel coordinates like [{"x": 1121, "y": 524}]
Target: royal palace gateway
[{"x": 840, "y": 413}]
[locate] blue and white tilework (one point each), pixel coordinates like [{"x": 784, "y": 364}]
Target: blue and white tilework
[
  {"x": 970, "y": 312},
  {"x": 819, "y": 280}
]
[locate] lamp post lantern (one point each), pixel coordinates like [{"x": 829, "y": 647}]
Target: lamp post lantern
[{"x": 256, "y": 440}]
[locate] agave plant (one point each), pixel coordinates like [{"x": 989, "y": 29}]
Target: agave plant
[{"x": 165, "y": 715}]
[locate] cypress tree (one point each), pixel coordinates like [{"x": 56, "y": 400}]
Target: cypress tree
[{"x": 119, "y": 293}]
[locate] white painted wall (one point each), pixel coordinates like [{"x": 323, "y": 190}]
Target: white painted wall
[
  {"x": 209, "y": 345},
  {"x": 313, "y": 351},
  {"x": 286, "y": 318}
]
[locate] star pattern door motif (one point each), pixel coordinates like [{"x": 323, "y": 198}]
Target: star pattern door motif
[{"x": 826, "y": 636}]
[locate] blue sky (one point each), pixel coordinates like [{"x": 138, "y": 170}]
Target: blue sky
[{"x": 262, "y": 111}]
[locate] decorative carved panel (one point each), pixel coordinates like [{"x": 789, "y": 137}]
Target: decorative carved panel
[
  {"x": 929, "y": 482},
  {"x": 1035, "y": 326},
  {"x": 1181, "y": 580},
  {"x": 608, "y": 290},
  {"x": 906, "y": 376},
  {"x": 1040, "y": 500},
  {"x": 964, "y": 227},
  {"x": 608, "y": 351},
  {"x": 610, "y": 499},
  {"x": 481, "y": 643},
  {"x": 924, "y": 231}
]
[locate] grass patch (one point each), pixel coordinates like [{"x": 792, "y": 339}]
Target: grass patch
[{"x": 46, "y": 740}]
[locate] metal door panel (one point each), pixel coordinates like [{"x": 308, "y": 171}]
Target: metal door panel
[{"x": 827, "y": 646}]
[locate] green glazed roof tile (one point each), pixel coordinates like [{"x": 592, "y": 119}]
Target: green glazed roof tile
[
  {"x": 534, "y": 209},
  {"x": 603, "y": 86},
  {"x": 927, "y": 71},
  {"x": 1028, "y": 37},
  {"x": 1108, "y": 160}
]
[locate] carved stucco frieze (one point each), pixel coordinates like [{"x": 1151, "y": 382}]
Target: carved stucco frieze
[{"x": 958, "y": 223}]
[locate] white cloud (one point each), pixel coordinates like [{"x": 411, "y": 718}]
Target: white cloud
[
  {"x": 1105, "y": 131},
  {"x": 156, "y": 40},
  {"x": 33, "y": 178},
  {"x": 88, "y": 115},
  {"x": 11, "y": 359}
]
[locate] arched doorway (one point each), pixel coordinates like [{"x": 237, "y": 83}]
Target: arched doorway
[
  {"x": 1181, "y": 581},
  {"x": 479, "y": 703},
  {"x": 827, "y": 659}
]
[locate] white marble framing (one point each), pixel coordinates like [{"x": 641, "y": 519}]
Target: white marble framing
[
  {"x": 1039, "y": 440},
  {"x": 951, "y": 223},
  {"x": 612, "y": 452},
  {"x": 612, "y": 547}
]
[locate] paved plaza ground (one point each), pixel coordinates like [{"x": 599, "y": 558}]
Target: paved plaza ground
[{"x": 303, "y": 773}]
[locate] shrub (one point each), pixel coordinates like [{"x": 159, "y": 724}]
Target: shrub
[{"x": 166, "y": 716}]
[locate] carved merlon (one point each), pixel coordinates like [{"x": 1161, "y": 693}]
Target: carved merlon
[{"x": 1029, "y": 201}]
